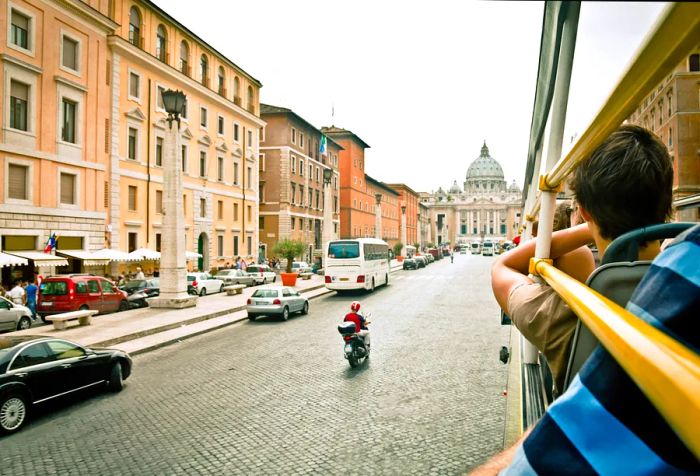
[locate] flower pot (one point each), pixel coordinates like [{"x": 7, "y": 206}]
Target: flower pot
[
  {"x": 399, "y": 258},
  {"x": 288, "y": 279}
]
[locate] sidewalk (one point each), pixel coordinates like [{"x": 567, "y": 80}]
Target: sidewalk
[
  {"x": 141, "y": 330},
  {"x": 118, "y": 329}
]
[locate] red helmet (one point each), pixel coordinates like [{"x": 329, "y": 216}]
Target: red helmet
[{"x": 355, "y": 306}]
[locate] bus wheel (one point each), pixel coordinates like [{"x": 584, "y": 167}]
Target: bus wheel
[{"x": 386, "y": 280}]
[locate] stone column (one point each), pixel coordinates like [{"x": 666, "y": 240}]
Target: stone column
[
  {"x": 378, "y": 216},
  {"x": 327, "y": 214},
  {"x": 403, "y": 230},
  {"x": 173, "y": 269},
  {"x": 419, "y": 231}
]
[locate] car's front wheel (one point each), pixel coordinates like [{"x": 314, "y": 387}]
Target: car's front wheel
[
  {"x": 305, "y": 309},
  {"x": 203, "y": 292},
  {"x": 13, "y": 412},
  {"x": 24, "y": 323},
  {"x": 221, "y": 289},
  {"x": 123, "y": 306},
  {"x": 116, "y": 381}
]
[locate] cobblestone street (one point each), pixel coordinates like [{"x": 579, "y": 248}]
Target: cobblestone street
[{"x": 272, "y": 397}]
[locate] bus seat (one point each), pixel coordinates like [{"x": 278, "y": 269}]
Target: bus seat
[{"x": 617, "y": 279}]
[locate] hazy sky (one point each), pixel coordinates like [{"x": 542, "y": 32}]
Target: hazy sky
[{"x": 424, "y": 84}]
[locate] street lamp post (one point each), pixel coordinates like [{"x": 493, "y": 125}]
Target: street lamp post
[
  {"x": 173, "y": 271},
  {"x": 403, "y": 230},
  {"x": 327, "y": 208},
  {"x": 378, "y": 216}
]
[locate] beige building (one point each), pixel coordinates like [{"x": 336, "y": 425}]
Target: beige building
[
  {"x": 672, "y": 111},
  {"x": 291, "y": 181},
  {"x": 152, "y": 52},
  {"x": 485, "y": 207},
  {"x": 54, "y": 149}
]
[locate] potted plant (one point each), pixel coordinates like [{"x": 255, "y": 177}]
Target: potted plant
[
  {"x": 289, "y": 249},
  {"x": 397, "y": 251}
]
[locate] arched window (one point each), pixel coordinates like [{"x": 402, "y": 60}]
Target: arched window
[
  {"x": 204, "y": 70},
  {"x": 184, "y": 58},
  {"x": 135, "y": 27},
  {"x": 221, "y": 87},
  {"x": 237, "y": 91},
  {"x": 251, "y": 98},
  {"x": 161, "y": 44}
]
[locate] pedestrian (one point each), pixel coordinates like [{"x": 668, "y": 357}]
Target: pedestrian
[
  {"x": 17, "y": 294},
  {"x": 31, "y": 291},
  {"x": 139, "y": 274}
]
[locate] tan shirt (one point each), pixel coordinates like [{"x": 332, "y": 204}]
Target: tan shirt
[{"x": 547, "y": 322}]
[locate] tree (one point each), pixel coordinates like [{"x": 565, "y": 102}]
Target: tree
[
  {"x": 289, "y": 249},
  {"x": 397, "y": 248}
]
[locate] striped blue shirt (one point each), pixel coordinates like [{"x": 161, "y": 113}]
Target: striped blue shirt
[{"x": 603, "y": 424}]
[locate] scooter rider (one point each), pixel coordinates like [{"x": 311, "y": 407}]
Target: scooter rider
[{"x": 360, "y": 322}]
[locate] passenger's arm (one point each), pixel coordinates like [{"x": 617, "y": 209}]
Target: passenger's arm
[
  {"x": 500, "y": 461},
  {"x": 511, "y": 268}
]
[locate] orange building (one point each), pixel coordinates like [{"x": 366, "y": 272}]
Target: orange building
[
  {"x": 356, "y": 204},
  {"x": 390, "y": 208},
  {"x": 411, "y": 200},
  {"x": 54, "y": 153}
]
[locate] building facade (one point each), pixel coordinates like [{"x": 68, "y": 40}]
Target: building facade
[
  {"x": 54, "y": 159},
  {"x": 292, "y": 187},
  {"x": 672, "y": 112},
  {"x": 411, "y": 200},
  {"x": 389, "y": 207},
  {"x": 485, "y": 207},
  {"x": 149, "y": 53}
]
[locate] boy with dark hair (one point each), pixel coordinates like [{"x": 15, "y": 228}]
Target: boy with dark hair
[{"x": 624, "y": 184}]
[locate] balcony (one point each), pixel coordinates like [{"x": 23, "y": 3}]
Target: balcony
[
  {"x": 251, "y": 108},
  {"x": 237, "y": 100},
  {"x": 222, "y": 91},
  {"x": 205, "y": 81},
  {"x": 185, "y": 69}
]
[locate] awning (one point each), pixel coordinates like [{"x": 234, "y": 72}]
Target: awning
[
  {"x": 10, "y": 260},
  {"x": 88, "y": 258},
  {"x": 145, "y": 254},
  {"x": 41, "y": 259},
  {"x": 114, "y": 255},
  {"x": 191, "y": 255}
]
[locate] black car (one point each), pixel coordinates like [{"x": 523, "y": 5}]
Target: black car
[
  {"x": 35, "y": 369},
  {"x": 138, "y": 290},
  {"x": 410, "y": 263}
]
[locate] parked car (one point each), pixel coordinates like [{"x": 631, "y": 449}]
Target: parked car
[
  {"x": 14, "y": 317},
  {"x": 429, "y": 257},
  {"x": 420, "y": 261},
  {"x": 410, "y": 263},
  {"x": 276, "y": 301},
  {"x": 73, "y": 292},
  {"x": 204, "y": 283},
  {"x": 138, "y": 290},
  {"x": 235, "y": 276},
  {"x": 299, "y": 267},
  {"x": 36, "y": 369},
  {"x": 262, "y": 273}
]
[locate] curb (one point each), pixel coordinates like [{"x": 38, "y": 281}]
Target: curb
[
  {"x": 209, "y": 329},
  {"x": 175, "y": 325}
]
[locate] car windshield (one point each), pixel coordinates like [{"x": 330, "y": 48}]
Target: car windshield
[
  {"x": 53, "y": 288},
  {"x": 266, "y": 293},
  {"x": 135, "y": 284},
  {"x": 226, "y": 272},
  {"x": 344, "y": 250},
  {"x": 191, "y": 278},
  {"x": 254, "y": 269}
]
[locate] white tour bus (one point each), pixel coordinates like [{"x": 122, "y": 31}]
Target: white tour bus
[{"x": 359, "y": 263}]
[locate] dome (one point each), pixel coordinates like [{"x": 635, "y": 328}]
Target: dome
[
  {"x": 455, "y": 188},
  {"x": 514, "y": 187},
  {"x": 485, "y": 167}
]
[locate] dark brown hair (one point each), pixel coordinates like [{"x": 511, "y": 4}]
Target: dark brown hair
[{"x": 626, "y": 182}]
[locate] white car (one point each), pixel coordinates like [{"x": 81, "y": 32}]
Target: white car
[
  {"x": 276, "y": 301},
  {"x": 261, "y": 273},
  {"x": 301, "y": 267},
  {"x": 14, "y": 317},
  {"x": 205, "y": 283}
]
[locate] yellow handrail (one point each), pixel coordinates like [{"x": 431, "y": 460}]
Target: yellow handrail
[
  {"x": 676, "y": 33},
  {"x": 667, "y": 372}
]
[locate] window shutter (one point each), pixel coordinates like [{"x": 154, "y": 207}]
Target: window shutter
[
  {"x": 17, "y": 181},
  {"x": 19, "y": 90},
  {"x": 68, "y": 189},
  {"x": 20, "y": 20}
]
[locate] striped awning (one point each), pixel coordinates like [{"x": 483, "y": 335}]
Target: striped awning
[
  {"x": 40, "y": 258},
  {"x": 113, "y": 255},
  {"x": 11, "y": 260},
  {"x": 88, "y": 259}
]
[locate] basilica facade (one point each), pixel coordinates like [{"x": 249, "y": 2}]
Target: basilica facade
[{"x": 485, "y": 207}]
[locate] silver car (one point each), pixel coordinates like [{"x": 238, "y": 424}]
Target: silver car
[
  {"x": 276, "y": 301},
  {"x": 14, "y": 317},
  {"x": 235, "y": 276}
]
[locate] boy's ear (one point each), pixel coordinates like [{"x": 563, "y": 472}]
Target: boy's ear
[{"x": 584, "y": 213}]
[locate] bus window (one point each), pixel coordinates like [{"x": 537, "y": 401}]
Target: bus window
[{"x": 344, "y": 249}]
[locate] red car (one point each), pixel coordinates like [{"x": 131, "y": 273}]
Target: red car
[{"x": 72, "y": 292}]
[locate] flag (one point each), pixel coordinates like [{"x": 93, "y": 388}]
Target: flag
[
  {"x": 51, "y": 243},
  {"x": 322, "y": 145}
]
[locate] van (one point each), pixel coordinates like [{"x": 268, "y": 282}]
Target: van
[
  {"x": 73, "y": 292},
  {"x": 487, "y": 249}
]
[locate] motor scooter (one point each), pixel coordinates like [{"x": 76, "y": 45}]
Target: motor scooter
[{"x": 354, "y": 350}]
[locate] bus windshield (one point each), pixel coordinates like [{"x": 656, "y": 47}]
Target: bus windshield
[{"x": 344, "y": 249}]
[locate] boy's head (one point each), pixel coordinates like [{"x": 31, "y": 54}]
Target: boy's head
[{"x": 626, "y": 182}]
